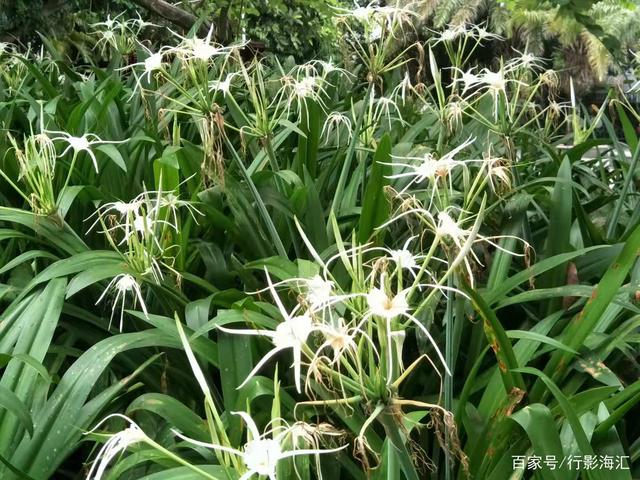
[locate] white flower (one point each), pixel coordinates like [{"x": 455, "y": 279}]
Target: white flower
[
  {"x": 383, "y": 108},
  {"x": 261, "y": 453},
  {"x": 375, "y": 33},
  {"x": 467, "y": 78},
  {"x": 453, "y": 114},
  {"x": 82, "y": 144},
  {"x": 482, "y": 33},
  {"x": 123, "y": 284},
  {"x": 339, "y": 337},
  {"x": 126, "y": 211},
  {"x": 116, "y": 445},
  {"x": 6, "y": 47},
  {"x": 139, "y": 23},
  {"x": 332, "y": 125},
  {"x": 447, "y": 227},
  {"x": 153, "y": 62},
  {"x": 384, "y": 306},
  {"x": 291, "y": 333},
  {"x": 401, "y": 89},
  {"x": 525, "y": 60},
  {"x": 496, "y": 84},
  {"x": 319, "y": 292},
  {"x": 306, "y": 87},
  {"x": 403, "y": 258},
  {"x": 109, "y": 23},
  {"x": 494, "y": 81},
  {"x": 450, "y": 34},
  {"x": 429, "y": 168},
  {"x": 169, "y": 201},
  {"x": 223, "y": 86},
  {"x": 202, "y": 49}
]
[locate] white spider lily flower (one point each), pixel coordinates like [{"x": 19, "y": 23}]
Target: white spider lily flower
[
  {"x": 298, "y": 90},
  {"x": 261, "y": 453},
  {"x": 169, "y": 201},
  {"x": 383, "y": 108},
  {"x": 125, "y": 210},
  {"x": 402, "y": 88},
  {"x": 526, "y": 60},
  {"x": 450, "y": 34},
  {"x": 152, "y": 63},
  {"x": 109, "y": 23},
  {"x": 202, "y": 49},
  {"x": 332, "y": 125},
  {"x": 6, "y": 47},
  {"x": 339, "y": 337},
  {"x": 123, "y": 284},
  {"x": 375, "y": 33},
  {"x": 362, "y": 14},
  {"x": 426, "y": 169},
  {"x": 291, "y": 333},
  {"x": 404, "y": 258},
  {"x": 306, "y": 87},
  {"x": 320, "y": 292},
  {"x": 429, "y": 168},
  {"x": 453, "y": 114},
  {"x": 481, "y": 33},
  {"x": 144, "y": 226},
  {"x": 447, "y": 227},
  {"x": 384, "y": 306},
  {"x": 468, "y": 79},
  {"x": 82, "y": 144},
  {"x": 139, "y": 23},
  {"x": 116, "y": 445},
  {"x": 329, "y": 67},
  {"x": 107, "y": 37},
  {"x": 223, "y": 86},
  {"x": 496, "y": 82}
]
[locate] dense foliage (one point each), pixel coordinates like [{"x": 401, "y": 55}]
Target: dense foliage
[
  {"x": 302, "y": 28},
  {"x": 225, "y": 267}
]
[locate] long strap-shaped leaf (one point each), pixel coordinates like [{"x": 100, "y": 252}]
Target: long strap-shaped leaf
[
  {"x": 499, "y": 341},
  {"x": 584, "y": 323}
]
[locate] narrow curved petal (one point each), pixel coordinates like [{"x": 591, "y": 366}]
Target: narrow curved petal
[
  {"x": 259, "y": 365},
  {"x": 433, "y": 342}
]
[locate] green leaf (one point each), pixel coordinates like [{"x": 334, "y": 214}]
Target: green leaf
[
  {"x": 185, "y": 473},
  {"x": 585, "y": 322},
  {"x": 111, "y": 151},
  {"x": 538, "y": 422},
  {"x": 174, "y": 412},
  {"x": 499, "y": 341},
  {"x": 375, "y": 207},
  {"x": 10, "y": 402},
  {"x": 536, "y": 337},
  {"x": 558, "y": 231}
]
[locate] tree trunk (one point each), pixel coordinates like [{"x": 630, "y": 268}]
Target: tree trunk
[{"x": 171, "y": 13}]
